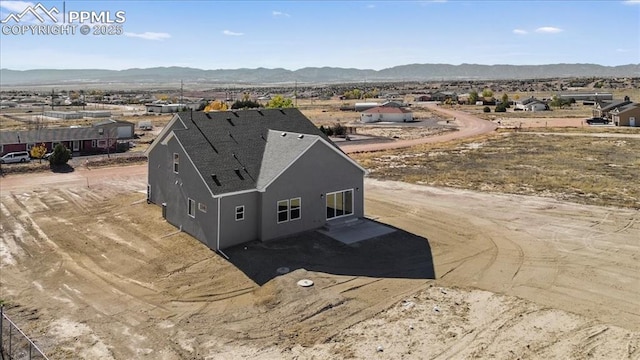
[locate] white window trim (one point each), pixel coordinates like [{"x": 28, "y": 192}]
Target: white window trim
[
  {"x": 202, "y": 207},
  {"x": 352, "y": 202},
  {"x": 239, "y": 210},
  {"x": 299, "y": 209},
  {"x": 176, "y": 161},
  {"x": 278, "y": 211},
  {"x": 191, "y": 207}
]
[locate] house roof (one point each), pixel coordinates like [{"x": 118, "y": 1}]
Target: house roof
[
  {"x": 613, "y": 104},
  {"x": 55, "y": 135},
  {"x": 627, "y": 107},
  {"x": 245, "y": 149},
  {"x": 386, "y": 110}
]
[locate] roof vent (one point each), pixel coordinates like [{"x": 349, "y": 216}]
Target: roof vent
[
  {"x": 260, "y": 112},
  {"x": 282, "y": 111},
  {"x": 283, "y": 134},
  {"x": 300, "y": 136},
  {"x": 234, "y": 156},
  {"x": 231, "y": 122},
  {"x": 208, "y": 115},
  {"x": 262, "y": 137},
  {"x": 215, "y": 179},
  {"x": 239, "y": 174}
]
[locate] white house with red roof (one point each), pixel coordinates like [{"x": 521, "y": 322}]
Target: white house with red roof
[{"x": 386, "y": 114}]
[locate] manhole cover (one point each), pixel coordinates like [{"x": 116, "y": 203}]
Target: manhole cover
[
  {"x": 282, "y": 270},
  {"x": 305, "y": 283}
]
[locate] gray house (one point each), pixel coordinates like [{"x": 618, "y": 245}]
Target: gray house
[{"x": 236, "y": 176}]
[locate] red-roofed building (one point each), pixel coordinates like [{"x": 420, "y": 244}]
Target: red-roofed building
[{"x": 386, "y": 114}]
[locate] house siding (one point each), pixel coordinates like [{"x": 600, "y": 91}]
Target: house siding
[
  {"x": 175, "y": 189},
  {"x": 623, "y": 118},
  {"x": 234, "y": 232},
  {"x": 318, "y": 171}
]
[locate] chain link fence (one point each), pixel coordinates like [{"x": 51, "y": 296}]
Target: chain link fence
[{"x": 14, "y": 344}]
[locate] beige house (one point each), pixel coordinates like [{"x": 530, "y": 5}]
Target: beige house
[{"x": 628, "y": 115}]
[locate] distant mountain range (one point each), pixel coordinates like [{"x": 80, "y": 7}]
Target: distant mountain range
[{"x": 413, "y": 72}]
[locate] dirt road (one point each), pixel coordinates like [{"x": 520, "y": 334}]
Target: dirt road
[
  {"x": 93, "y": 272},
  {"x": 468, "y": 126}
]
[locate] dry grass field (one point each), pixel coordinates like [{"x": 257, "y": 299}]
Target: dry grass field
[{"x": 584, "y": 169}]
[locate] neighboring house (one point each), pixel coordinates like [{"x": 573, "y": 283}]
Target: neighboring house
[
  {"x": 628, "y": 115},
  {"x": 531, "y": 104},
  {"x": 602, "y": 109},
  {"x": 100, "y": 138},
  {"x": 419, "y": 98},
  {"x": 586, "y": 96},
  {"x": 235, "y": 176},
  {"x": 386, "y": 113},
  {"x": 444, "y": 95}
]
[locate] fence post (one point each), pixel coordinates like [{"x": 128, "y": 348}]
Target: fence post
[{"x": 1, "y": 326}]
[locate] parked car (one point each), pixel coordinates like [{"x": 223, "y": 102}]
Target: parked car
[
  {"x": 15, "y": 157},
  {"x": 597, "y": 120}
]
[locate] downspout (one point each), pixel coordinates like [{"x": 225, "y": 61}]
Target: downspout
[
  {"x": 218, "y": 228},
  {"x": 218, "y": 233}
]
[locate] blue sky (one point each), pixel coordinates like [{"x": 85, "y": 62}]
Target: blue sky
[{"x": 349, "y": 34}]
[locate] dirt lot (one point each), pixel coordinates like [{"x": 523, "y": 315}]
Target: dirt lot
[{"x": 93, "y": 272}]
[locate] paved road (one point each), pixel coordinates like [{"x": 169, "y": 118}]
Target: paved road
[{"x": 468, "y": 126}]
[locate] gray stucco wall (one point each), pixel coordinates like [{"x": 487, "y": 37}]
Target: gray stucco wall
[
  {"x": 232, "y": 231},
  {"x": 319, "y": 171},
  {"x": 174, "y": 190}
]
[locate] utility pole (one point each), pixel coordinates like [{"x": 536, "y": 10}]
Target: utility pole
[{"x": 181, "y": 92}]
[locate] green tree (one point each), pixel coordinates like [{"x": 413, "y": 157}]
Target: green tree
[
  {"x": 473, "y": 97},
  {"x": 501, "y": 108},
  {"x": 60, "y": 156},
  {"x": 486, "y": 109},
  {"x": 487, "y": 93},
  {"x": 278, "y": 102},
  {"x": 353, "y": 94},
  {"x": 38, "y": 151},
  {"x": 505, "y": 99},
  {"x": 245, "y": 104}
]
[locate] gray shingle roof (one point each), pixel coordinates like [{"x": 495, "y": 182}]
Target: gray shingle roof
[
  {"x": 280, "y": 151},
  {"x": 231, "y": 144}
]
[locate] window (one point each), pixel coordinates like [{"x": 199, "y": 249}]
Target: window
[
  {"x": 202, "y": 207},
  {"x": 283, "y": 211},
  {"x": 239, "y": 212},
  {"x": 94, "y": 143},
  {"x": 339, "y": 204},
  {"x": 176, "y": 162},
  {"x": 191, "y": 210},
  {"x": 289, "y": 210},
  {"x": 294, "y": 209},
  {"x": 102, "y": 143}
]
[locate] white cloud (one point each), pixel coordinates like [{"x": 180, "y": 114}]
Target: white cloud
[
  {"x": 231, "y": 33},
  {"x": 280, "y": 14},
  {"x": 520, "y": 32},
  {"x": 631, "y": 2},
  {"x": 623, "y": 50},
  {"x": 148, "y": 35},
  {"x": 548, "y": 30},
  {"x": 371, "y": 6}
]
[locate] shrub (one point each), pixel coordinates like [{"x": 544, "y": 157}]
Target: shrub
[
  {"x": 60, "y": 156},
  {"x": 486, "y": 109}
]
